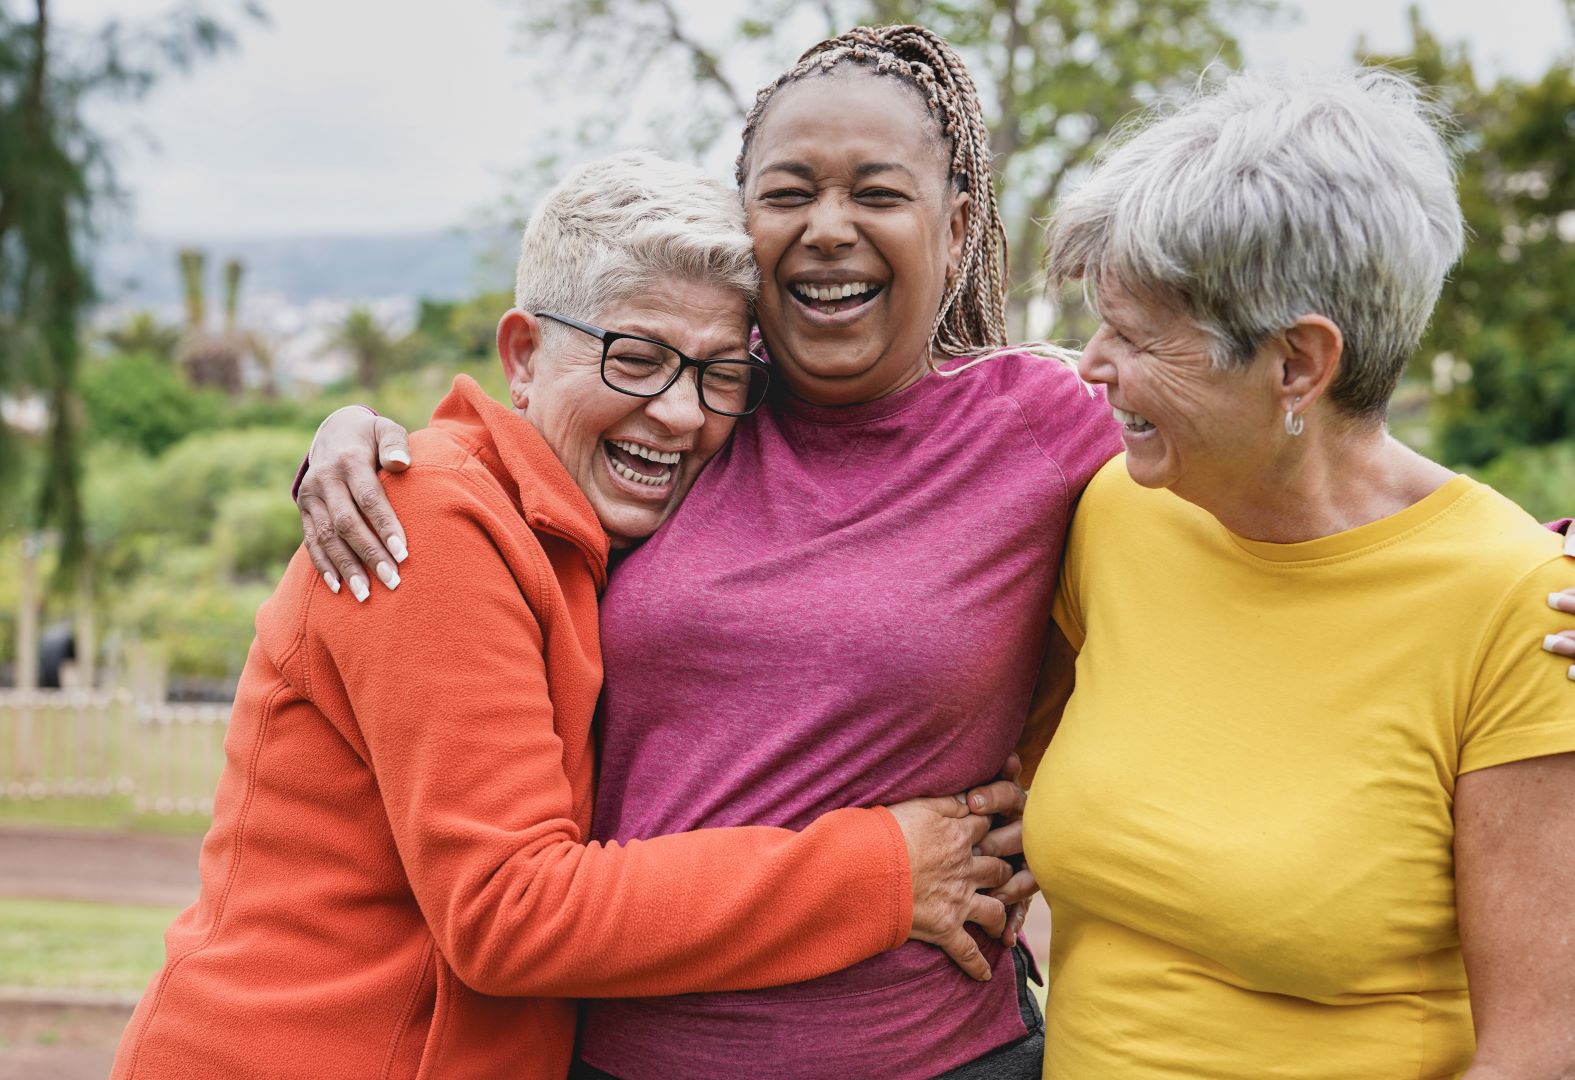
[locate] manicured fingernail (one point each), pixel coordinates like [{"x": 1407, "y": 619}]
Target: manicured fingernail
[
  {"x": 399, "y": 456},
  {"x": 358, "y": 588},
  {"x": 387, "y": 575},
  {"x": 1571, "y": 673},
  {"x": 332, "y": 581},
  {"x": 396, "y": 547},
  {"x": 1557, "y": 643},
  {"x": 1560, "y": 602}
]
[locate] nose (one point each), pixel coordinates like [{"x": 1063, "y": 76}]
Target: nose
[
  {"x": 1095, "y": 365},
  {"x": 678, "y": 408},
  {"x": 830, "y": 225}
]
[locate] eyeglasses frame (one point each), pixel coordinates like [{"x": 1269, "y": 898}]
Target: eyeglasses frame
[{"x": 685, "y": 361}]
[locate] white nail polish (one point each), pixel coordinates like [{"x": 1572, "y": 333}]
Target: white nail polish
[
  {"x": 332, "y": 581},
  {"x": 1556, "y": 601},
  {"x": 1571, "y": 673},
  {"x": 396, "y": 547},
  {"x": 399, "y": 456},
  {"x": 387, "y": 576},
  {"x": 1550, "y": 643},
  {"x": 358, "y": 588}
]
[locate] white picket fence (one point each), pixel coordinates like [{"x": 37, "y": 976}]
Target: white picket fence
[{"x": 86, "y": 744}]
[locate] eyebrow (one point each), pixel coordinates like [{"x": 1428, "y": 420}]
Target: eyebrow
[
  {"x": 805, "y": 172},
  {"x": 637, "y": 330}
]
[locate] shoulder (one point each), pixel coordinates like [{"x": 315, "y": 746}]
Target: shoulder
[{"x": 1068, "y": 419}]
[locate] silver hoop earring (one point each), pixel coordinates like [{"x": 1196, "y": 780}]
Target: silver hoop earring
[{"x": 1294, "y": 425}]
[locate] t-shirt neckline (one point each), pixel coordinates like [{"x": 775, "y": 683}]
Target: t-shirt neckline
[{"x": 1372, "y": 535}]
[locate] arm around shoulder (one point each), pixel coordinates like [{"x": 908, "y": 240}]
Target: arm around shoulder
[{"x": 445, "y": 689}]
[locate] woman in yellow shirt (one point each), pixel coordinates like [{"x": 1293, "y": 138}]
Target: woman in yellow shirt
[{"x": 1324, "y": 826}]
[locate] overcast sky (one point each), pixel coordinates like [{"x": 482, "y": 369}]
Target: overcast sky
[{"x": 352, "y": 117}]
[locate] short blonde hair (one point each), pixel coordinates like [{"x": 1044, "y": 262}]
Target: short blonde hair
[{"x": 620, "y": 226}]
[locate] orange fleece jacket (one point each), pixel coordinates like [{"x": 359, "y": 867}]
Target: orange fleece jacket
[{"x": 396, "y": 883}]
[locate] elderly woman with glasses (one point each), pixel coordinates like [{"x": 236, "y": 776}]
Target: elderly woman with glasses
[
  {"x": 398, "y": 881},
  {"x": 1324, "y": 827}
]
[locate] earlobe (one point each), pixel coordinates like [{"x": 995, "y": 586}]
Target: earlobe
[{"x": 519, "y": 338}]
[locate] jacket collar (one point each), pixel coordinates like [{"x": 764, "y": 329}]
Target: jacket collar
[{"x": 535, "y": 480}]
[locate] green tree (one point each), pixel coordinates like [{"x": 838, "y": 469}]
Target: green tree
[
  {"x": 372, "y": 348},
  {"x": 55, "y": 175},
  {"x": 1501, "y": 347},
  {"x": 1055, "y": 75}
]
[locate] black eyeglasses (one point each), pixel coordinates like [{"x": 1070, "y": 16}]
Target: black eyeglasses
[{"x": 643, "y": 367}]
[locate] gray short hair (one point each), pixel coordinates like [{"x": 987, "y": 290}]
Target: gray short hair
[
  {"x": 620, "y": 226},
  {"x": 1261, "y": 200}
]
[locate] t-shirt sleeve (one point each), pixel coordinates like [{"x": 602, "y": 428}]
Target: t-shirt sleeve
[
  {"x": 1523, "y": 701},
  {"x": 1091, "y": 512}
]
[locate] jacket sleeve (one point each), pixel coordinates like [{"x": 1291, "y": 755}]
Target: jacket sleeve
[{"x": 442, "y": 686}]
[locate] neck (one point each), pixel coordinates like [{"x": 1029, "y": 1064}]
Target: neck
[
  {"x": 1321, "y": 485},
  {"x": 852, "y": 390}
]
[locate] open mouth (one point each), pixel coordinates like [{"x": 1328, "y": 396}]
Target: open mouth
[
  {"x": 641, "y": 464},
  {"x": 835, "y": 299},
  {"x": 1131, "y": 421}
]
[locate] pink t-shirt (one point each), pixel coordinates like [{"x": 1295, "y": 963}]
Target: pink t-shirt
[{"x": 849, "y": 610}]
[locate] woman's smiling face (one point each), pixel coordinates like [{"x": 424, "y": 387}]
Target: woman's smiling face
[{"x": 849, "y": 192}]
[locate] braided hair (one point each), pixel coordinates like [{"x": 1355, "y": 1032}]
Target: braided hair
[{"x": 972, "y": 316}]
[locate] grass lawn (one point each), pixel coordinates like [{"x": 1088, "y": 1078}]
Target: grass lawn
[
  {"x": 71, "y": 945},
  {"x": 115, "y": 812}
]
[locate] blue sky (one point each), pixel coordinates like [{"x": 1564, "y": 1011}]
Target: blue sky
[{"x": 348, "y": 117}]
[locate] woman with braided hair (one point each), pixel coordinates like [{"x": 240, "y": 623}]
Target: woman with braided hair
[
  {"x": 851, "y": 605},
  {"x": 852, "y": 602}
]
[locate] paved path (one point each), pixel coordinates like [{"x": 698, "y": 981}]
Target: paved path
[
  {"x": 112, "y": 868},
  {"x": 68, "y": 1039}
]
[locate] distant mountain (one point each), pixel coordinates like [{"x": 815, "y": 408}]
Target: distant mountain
[{"x": 142, "y": 271}]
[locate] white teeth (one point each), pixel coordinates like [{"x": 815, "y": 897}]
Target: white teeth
[
  {"x": 1130, "y": 420},
  {"x": 640, "y": 478},
  {"x": 835, "y": 292},
  {"x": 669, "y": 458}
]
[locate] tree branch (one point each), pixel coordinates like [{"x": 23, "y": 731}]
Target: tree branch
[{"x": 706, "y": 62}]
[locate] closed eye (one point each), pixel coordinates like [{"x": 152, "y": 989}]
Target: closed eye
[{"x": 787, "y": 195}]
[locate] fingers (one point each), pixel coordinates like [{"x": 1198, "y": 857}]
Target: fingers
[
  {"x": 315, "y": 552},
  {"x": 349, "y": 525},
  {"x": 948, "y": 806},
  {"x": 1013, "y": 769},
  {"x": 1003, "y": 797},
  {"x": 987, "y": 873},
  {"x": 1016, "y": 915},
  {"x": 1021, "y": 888},
  {"x": 393, "y": 445},
  {"x": 988, "y": 914},
  {"x": 964, "y": 951},
  {"x": 326, "y": 538},
  {"x": 1560, "y": 644},
  {"x": 1563, "y": 601},
  {"x": 1004, "y": 841}
]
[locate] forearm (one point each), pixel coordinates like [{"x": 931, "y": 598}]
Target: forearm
[{"x": 718, "y": 909}]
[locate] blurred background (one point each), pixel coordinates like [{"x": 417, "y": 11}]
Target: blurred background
[{"x": 221, "y": 219}]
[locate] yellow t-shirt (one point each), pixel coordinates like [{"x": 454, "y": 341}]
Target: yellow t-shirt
[{"x": 1244, "y": 822}]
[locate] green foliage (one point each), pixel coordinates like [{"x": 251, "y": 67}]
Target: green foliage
[
  {"x": 74, "y": 945},
  {"x": 142, "y": 402},
  {"x": 1507, "y": 313},
  {"x": 256, "y": 532},
  {"x": 1539, "y": 478},
  {"x": 54, "y": 176}
]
